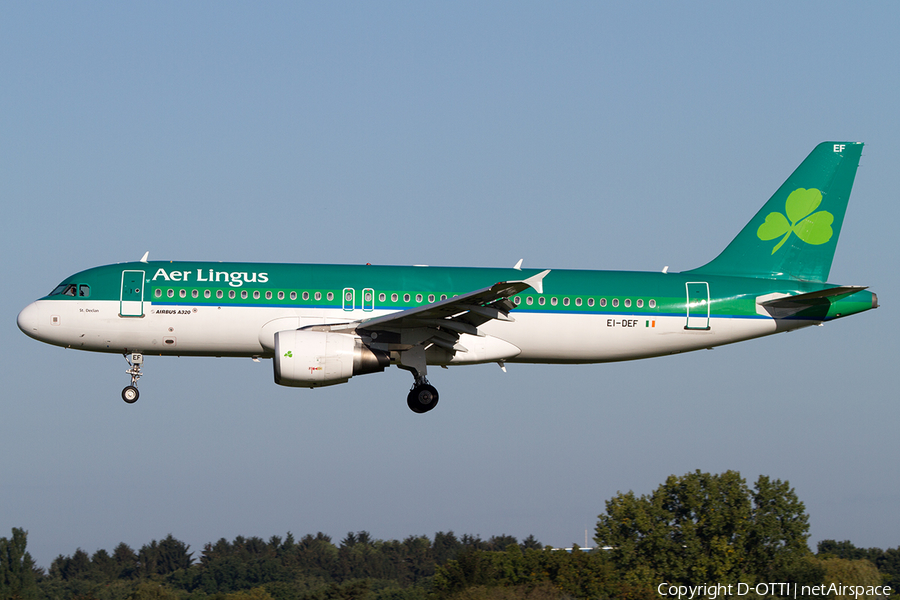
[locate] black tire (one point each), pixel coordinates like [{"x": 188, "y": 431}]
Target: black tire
[
  {"x": 422, "y": 398},
  {"x": 130, "y": 394}
]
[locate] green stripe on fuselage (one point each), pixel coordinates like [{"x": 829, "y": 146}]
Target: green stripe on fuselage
[{"x": 658, "y": 294}]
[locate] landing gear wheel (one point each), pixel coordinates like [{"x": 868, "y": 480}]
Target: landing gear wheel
[
  {"x": 422, "y": 398},
  {"x": 130, "y": 394}
]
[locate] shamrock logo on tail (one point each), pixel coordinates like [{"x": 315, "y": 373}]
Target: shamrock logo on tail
[
  {"x": 811, "y": 227},
  {"x": 289, "y": 354}
]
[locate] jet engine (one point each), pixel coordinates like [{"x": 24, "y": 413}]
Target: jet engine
[{"x": 318, "y": 358}]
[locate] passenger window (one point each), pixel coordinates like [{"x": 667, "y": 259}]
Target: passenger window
[
  {"x": 590, "y": 301},
  {"x": 207, "y": 293},
  {"x": 158, "y": 293},
  {"x": 406, "y": 297},
  {"x": 542, "y": 300},
  {"x": 627, "y": 302},
  {"x": 565, "y": 301},
  {"x": 553, "y": 301},
  {"x": 577, "y": 301},
  {"x": 615, "y": 302},
  {"x": 382, "y": 297},
  {"x": 318, "y": 295},
  {"x": 281, "y": 295},
  {"x": 219, "y": 294},
  {"x": 231, "y": 294},
  {"x": 268, "y": 295},
  {"x": 243, "y": 294},
  {"x": 195, "y": 294},
  {"x": 294, "y": 296},
  {"x": 603, "y": 302},
  {"x": 652, "y": 303},
  {"x": 305, "y": 295},
  {"x": 394, "y": 297},
  {"x": 418, "y": 297},
  {"x": 170, "y": 293},
  {"x": 640, "y": 303},
  {"x": 529, "y": 300},
  {"x": 517, "y": 300},
  {"x": 330, "y": 296}
]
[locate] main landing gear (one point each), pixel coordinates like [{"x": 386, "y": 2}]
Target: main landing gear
[
  {"x": 422, "y": 397},
  {"x": 130, "y": 394}
]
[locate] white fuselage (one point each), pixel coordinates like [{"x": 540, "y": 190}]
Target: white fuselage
[{"x": 249, "y": 332}]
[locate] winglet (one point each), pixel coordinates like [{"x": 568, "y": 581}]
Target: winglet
[
  {"x": 146, "y": 255},
  {"x": 537, "y": 281},
  {"x": 518, "y": 266}
]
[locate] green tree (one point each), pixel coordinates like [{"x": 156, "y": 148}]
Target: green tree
[
  {"x": 533, "y": 573},
  {"x": 126, "y": 561},
  {"x": 889, "y": 564},
  {"x": 257, "y": 593},
  {"x": 104, "y": 566},
  {"x": 531, "y": 543},
  {"x": 17, "y": 569},
  {"x": 164, "y": 557},
  {"x": 845, "y": 549},
  {"x": 150, "y": 590},
  {"x": 887, "y": 561},
  {"x": 445, "y": 546},
  {"x": 779, "y": 528},
  {"x": 501, "y": 542},
  {"x": 701, "y": 527},
  {"x": 859, "y": 572}
]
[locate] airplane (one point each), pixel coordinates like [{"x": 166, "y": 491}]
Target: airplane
[{"x": 323, "y": 324}]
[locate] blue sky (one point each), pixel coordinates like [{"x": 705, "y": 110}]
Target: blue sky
[{"x": 576, "y": 135}]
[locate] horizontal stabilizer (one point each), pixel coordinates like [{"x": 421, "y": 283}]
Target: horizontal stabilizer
[{"x": 787, "y": 306}]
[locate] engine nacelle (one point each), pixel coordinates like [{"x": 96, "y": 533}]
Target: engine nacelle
[{"x": 319, "y": 358}]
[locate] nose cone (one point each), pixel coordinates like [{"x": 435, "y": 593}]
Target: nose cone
[{"x": 28, "y": 321}]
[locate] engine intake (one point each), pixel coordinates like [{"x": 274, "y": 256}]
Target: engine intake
[{"x": 319, "y": 358}]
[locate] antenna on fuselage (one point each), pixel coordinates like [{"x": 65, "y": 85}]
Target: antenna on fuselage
[{"x": 144, "y": 258}]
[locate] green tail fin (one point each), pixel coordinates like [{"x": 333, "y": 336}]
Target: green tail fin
[{"x": 794, "y": 235}]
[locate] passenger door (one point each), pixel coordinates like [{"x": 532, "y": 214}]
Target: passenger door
[
  {"x": 131, "y": 300},
  {"x": 697, "y": 305}
]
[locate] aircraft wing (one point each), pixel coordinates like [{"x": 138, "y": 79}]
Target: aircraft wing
[{"x": 441, "y": 323}]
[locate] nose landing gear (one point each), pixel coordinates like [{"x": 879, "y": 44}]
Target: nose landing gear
[{"x": 130, "y": 394}]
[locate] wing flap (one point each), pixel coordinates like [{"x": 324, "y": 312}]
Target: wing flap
[{"x": 440, "y": 323}]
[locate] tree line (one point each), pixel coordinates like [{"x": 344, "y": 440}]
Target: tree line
[{"x": 694, "y": 529}]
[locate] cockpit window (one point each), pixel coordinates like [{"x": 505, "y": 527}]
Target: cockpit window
[{"x": 71, "y": 289}]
